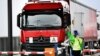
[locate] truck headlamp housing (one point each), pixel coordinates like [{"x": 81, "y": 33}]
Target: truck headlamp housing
[
  {"x": 30, "y": 39},
  {"x": 53, "y": 39}
]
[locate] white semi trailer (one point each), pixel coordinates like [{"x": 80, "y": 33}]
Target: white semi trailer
[{"x": 83, "y": 19}]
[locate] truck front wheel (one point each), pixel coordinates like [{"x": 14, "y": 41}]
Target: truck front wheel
[{"x": 22, "y": 50}]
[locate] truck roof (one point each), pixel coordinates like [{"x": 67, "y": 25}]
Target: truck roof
[{"x": 42, "y": 6}]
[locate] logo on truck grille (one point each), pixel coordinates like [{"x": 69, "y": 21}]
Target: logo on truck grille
[{"x": 41, "y": 38}]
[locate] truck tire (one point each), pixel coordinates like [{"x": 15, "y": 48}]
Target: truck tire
[{"x": 22, "y": 48}]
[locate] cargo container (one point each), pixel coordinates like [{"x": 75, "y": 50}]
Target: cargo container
[{"x": 83, "y": 20}]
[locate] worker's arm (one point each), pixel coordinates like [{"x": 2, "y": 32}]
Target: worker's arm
[{"x": 70, "y": 36}]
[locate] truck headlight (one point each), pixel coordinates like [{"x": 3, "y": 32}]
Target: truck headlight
[
  {"x": 30, "y": 39},
  {"x": 53, "y": 39}
]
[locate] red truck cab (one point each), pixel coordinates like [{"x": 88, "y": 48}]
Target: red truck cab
[{"x": 42, "y": 25}]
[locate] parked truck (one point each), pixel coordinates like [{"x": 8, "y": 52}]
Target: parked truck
[
  {"x": 84, "y": 20},
  {"x": 42, "y": 27}
]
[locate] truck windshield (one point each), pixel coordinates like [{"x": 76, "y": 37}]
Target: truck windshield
[{"x": 43, "y": 20}]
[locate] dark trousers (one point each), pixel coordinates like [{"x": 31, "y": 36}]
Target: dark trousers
[{"x": 76, "y": 52}]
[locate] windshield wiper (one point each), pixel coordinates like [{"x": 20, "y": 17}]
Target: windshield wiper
[
  {"x": 48, "y": 25},
  {"x": 30, "y": 25}
]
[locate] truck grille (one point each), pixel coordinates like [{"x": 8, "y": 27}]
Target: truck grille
[{"x": 40, "y": 40}]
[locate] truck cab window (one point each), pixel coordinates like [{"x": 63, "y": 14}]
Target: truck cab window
[{"x": 43, "y": 20}]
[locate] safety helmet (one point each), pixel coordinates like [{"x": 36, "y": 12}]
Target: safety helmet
[{"x": 75, "y": 32}]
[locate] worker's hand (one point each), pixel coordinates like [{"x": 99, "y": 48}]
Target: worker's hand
[
  {"x": 65, "y": 44},
  {"x": 68, "y": 29}
]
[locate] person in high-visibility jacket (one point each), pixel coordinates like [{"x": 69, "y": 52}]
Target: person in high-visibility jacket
[{"x": 76, "y": 43}]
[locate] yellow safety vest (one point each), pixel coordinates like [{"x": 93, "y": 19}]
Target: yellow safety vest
[{"x": 76, "y": 45}]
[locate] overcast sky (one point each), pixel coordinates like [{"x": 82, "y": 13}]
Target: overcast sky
[{"x": 92, "y": 3}]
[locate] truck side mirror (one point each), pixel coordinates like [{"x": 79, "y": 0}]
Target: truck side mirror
[
  {"x": 19, "y": 20},
  {"x": 67, "y": 20}
]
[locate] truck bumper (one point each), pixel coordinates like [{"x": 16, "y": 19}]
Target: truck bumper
[{"x": 47, "y": 48}]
